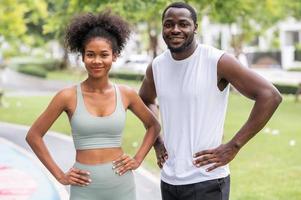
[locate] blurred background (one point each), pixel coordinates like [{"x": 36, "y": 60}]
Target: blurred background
[{"x": 264, "y": 35}]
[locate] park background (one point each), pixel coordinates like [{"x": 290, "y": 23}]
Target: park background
[{"x": 265, "y": 35}]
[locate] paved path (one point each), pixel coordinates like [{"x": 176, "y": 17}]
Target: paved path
[
  {"x": 62, "y": 148},
  {"x": 14, "y": 81},
  {"x": 22, "y": 177}
]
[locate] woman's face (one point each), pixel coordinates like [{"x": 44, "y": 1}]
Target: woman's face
[{"x": 98, "y": 57}]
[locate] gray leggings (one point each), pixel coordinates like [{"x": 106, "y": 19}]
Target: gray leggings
[{"x": 105, "y": 185}]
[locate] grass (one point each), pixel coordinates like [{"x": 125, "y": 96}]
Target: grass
[
  {"x": 78, "y": 75},
  {"x": 267, "y": 168}
]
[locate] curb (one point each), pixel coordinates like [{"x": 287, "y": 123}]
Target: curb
[{"x": 59, "y": 188}]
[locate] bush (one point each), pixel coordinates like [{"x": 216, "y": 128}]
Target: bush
[
  {"x": 295, "y": 69},
  {"x": 34, "y": 70},
  {"x": 47, "y": 64},
  {"x": 127, "y": 76},
  {"x": 286, "y": 89}
]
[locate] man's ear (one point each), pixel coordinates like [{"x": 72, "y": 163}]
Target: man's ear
[{"x": 195, "y": 28}]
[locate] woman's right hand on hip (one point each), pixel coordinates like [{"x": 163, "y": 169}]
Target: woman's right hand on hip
[{"x": 76, "y": 177}]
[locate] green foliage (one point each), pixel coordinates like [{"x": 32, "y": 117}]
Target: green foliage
[
  {"x": 34, "y": 22},
  {"x": 12, "y": 23},
  {"x": 293, "y": 8},
  {"x": 295, "y": 69},
  {"x": 23, "y": 20},
  {"x": 34, "y": 70},
  {"x": 286, "y": 89},
  {"x": 298, "y": 46},
  {"x": 45, "y": 64},
  {"x": 10, "y": 52},
  {"x": 252, "y": 17},
  {"x": 126, "y": 75},
  {"x": 62, "y": 11},
  {"x": 78, "y": 75}
]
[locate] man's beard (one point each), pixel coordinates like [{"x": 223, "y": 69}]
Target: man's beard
[{"x": 181, "y": 48}]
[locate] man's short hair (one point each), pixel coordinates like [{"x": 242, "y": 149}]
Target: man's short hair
[{"x": 182, "y": 5}]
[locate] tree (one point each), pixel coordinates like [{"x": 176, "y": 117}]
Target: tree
[
  {"x": 22, "y": 22},
  {"x": 293, "y": 8},
  {"x": 62, "y": 11},
  {"x": 30, "y": 21},
  {"x": 147, "y": 12},
  {"x": 12, "y": 23},
  {"x": 252, "y": 17}
]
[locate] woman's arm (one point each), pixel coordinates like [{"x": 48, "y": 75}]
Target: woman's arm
[
  {"x": 35, "y": 140},
  {"x": 136, "y": 105},
  {"x": 148, "y": 95}
]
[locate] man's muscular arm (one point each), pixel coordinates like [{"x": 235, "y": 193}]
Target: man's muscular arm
[{"x": 251, "y": 85}]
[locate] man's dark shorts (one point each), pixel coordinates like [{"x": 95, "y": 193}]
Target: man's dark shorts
[{"x": 217, "y": 189}]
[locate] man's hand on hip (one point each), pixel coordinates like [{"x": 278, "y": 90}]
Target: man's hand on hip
[
  {"x": 219, "y": 156},
  {"x": 161, "y": 154}
]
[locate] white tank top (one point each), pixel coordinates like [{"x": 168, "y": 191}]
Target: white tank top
[{"x": 192, "y": 111}]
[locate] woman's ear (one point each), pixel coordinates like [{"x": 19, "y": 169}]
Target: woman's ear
[
  {"x": 83, "y": 56},
  {"x": 114, "y": 57}
]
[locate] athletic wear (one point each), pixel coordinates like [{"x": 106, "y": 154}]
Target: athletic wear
[
  {"x": 105, "y": 185},
  {"x": 192, "y": 111},
  {"x": 90, "y": 132},
  {"x": 216, "y": 189}
]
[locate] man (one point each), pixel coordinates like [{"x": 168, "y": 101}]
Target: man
[{"x": 191, "y": 82}]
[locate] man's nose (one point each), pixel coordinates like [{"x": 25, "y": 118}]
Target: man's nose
[{"x": 176, "y": 29}]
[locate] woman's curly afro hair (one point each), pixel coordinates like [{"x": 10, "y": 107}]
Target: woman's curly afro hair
[{"x": 87, "y": 26}]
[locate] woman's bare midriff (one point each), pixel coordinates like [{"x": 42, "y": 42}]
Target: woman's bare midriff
[{"x": 97, "y": 156}]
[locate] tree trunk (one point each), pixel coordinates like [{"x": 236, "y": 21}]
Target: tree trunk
[
  {"x": 236, "y": 43},
  {"x": 153, "y": 40},
  {"x": 64, "y": 64}
]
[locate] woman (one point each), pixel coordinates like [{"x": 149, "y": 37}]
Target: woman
[{"x": 97, "y": 110}]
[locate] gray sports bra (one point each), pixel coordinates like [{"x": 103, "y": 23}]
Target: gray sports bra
[{"x": 91, "y": 132}]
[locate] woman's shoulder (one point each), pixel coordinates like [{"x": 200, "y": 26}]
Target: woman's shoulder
[
  {"x": 67, "y": 93},
  {"x": 126, "y": 90},
  {"x": 129, "y": 94}
]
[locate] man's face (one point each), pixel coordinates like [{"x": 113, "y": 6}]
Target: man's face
[{"x": 178, "y": 29}]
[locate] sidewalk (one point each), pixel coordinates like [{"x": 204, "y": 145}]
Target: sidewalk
[{"x": 21, "y": 177}]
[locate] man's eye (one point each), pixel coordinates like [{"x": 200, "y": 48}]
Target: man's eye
[
  {"x": 167, "y": 25},
  {"x": 183, "y": 24}
]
